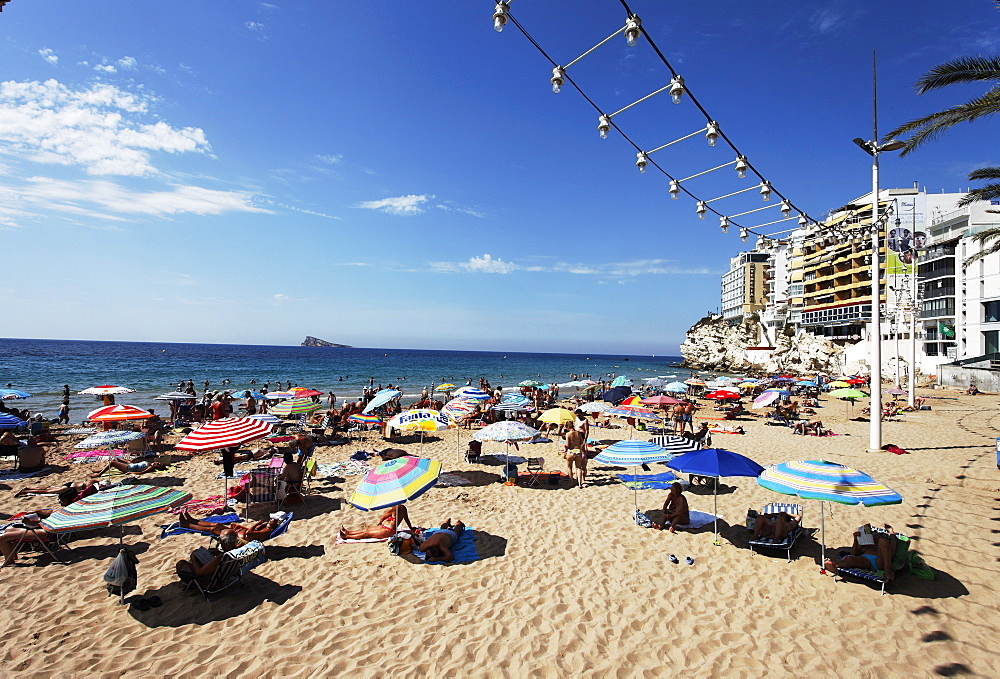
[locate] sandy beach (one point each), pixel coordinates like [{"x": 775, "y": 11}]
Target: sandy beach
[{"x": 567, "y": 585}]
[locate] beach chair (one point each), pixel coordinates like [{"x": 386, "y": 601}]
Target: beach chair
[
  {"x": 899, "y": 561},
  {"x": 234, "y": 565},
  {"x": 789, "y": 541},
  {"x": 176, "y": 529},
  {"x": 534, "y": 469},
  {"x": 308, "y": 472},
  {"x": 42, "y": 542}
]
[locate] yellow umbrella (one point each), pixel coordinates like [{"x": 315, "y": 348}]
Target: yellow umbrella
[
  {"x": 557, "y": 416},
  {"x": 447, "y": 386},
  {"x": 839, "y": 384}
]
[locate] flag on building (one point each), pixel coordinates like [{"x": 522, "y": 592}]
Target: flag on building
[{"x": 947, "y": 331}]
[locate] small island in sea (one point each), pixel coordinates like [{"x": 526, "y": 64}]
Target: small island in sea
[{"x": 316, "y": 342}]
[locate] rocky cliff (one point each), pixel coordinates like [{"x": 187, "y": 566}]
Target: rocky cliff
[
  {"x": 714, "y": 344},
  {"x": 315, "y": 342}
]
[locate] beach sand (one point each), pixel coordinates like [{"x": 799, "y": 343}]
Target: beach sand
[{"x": 567, "y": 586}]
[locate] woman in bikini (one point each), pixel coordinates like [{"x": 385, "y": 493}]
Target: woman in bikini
[
  {"x": 260, "y": 530},
  {"x": 386, "y": 527},
  {"x": 575, "y": 454}
]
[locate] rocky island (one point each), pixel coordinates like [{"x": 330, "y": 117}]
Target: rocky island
[{"x": 316, "y": 342}]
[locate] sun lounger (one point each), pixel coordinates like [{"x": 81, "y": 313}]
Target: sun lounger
[
  {"x": 176, "y": 529},
  {"x": 789, "y": 541},
  {"x": 899, "y": 561},
  {"x": 234, "y": 565}
]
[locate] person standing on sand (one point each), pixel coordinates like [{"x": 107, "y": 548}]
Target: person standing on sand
[
  {"x": 575, "y": 454},
  {"x": 677, "y": 417},
  {"x": 689, "y": 409}
]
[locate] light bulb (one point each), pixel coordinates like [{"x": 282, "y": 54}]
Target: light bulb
[
  {"x": 641, "y": 160},
  {"x": 604, "y": 126},
  {"x": 676, "y": 88},
  {"x": 701, "y": 209},
  {"x": 741, "y": 167},
  {"x": 558, "y": 78},
  {"x": 500, "y": 16},
  {"x": 765, "y": 190},
  {"x": 724, "y": 224},
  {"x": 786, "y": 208},
  {"x": 712, "y": 134},
  {"x": 675, "y": 188},
  {"x": 632, "y": 30},
  {"x": 744, "y": 234}
]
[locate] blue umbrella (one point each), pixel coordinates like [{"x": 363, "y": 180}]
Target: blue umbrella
[
  {"x": 381, "y": 398},
  {"x": 8, "y": 421},
  {"x": 715, "y": 462},
  {"x": 621, "y": 381},
  {"x": 6, "y": 394},
  {"x": 676, "y": 387},
  {"x": 632, "y": 453},
  {"x": 472, "y": 392},
  {"x": 247, "y": 393},
  {"x": 616, "y": 394}
]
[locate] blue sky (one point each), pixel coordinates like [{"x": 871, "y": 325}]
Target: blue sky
[{"x": 400, "y": 175}]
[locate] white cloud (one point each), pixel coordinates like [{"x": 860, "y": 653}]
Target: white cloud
[
  {"x": 307, "y": 212},
  {"x": 402, "y": 205},
  {"x": 254, "y": 26},
  {"x": 487, "y": 264},
  {"x": 280, "y": 298},
  {"x": 451, "y": 207},
  {"x": 330, "y": 158},
  {"x": 97, "y": 128},
  {"x": 128, "y": 63},
  {"x": 826, "y": 20},
  {"x": 105, "y": 68},
  {"x": 484, "y": 264},
  {"x": 49, "y": 55}
]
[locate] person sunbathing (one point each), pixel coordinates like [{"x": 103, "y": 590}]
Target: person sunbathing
[
  {"x": 437, "y": 547},
  {"x": 814, "y": 427},
  {"x": 30, "y": 530},
  {"x": 228, "y": 541},
  {"x": 385, "y": 528},
  {"x": 776, "y": 526},
  {"x": 75, "y": 489},
  {"x": 142, "y": 467},
  {"x": 675, "y": 509},
  {"x": 876, "y": 557},
  {"x": 260, "y": 530},
  {"x": 251, "y": 456}
]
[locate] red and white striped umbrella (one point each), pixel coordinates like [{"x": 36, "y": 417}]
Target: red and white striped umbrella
[
  {"x": 232, "y": 431},
  {"x": 118, "y": 413}
]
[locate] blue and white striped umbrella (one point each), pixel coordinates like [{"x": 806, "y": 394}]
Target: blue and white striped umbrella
[
  {"x": 8, "y": 421},
  {"x": 516, "y": 399},
  {"x": 621, "y": 381},
  {"x": 676, "y": 387},
  {"x": 633, "y": 453},
  {"x": 509, "y": 407},
  {"x": 270, "y": 419},
  {"x": 104, "y": 439},
  {"x": 380, "y": 399},
  {"x": 472, "y": 392}
]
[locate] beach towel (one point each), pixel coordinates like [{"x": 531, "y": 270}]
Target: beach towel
[
  {"x": 207, "y": 504},
  {"x": 447, "y": 480},
  {"x": 342, "y": 541},
  {"x": 14, "y": 475},
  {"x": 661, "y": 481},
  {"x": 176, "y": 529},
  {"x": 698, "y": 519},
  {"x": 348, "y": 468},
  {"x": 464, "y": 548}
]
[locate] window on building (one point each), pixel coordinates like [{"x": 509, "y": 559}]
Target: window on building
[
  {"x": 991, "y": 342},
  {"x": 991, "y": 312}
]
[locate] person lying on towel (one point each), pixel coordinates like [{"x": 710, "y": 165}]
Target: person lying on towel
[
  {"x": 776, "y": 526},
  {"x": 876, "y": 557},
  {"x": 675, "y": 509},
  {"x": 385, "y": 528},
  {"x": 437, "y": 546},
  {"x": 132, "y": 467}
]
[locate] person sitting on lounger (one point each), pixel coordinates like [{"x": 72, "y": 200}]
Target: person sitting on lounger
[
  {"x": 776, "y": 526},
  {"x": 700, "y": 435},
  {"x": 675, "y": 509},
  {"x": 386, "y": 527},
  {"x": 30, "y": 530},
  {"x": 248, "y": 456},
  {"x": 876, "y": 557},
  {"x": 814, "y": 427},
  {"x": 132, "y": 467},
  {"x": 437, "y": 547},
  {"x": 260, "y": 530},
  {"x": 228, "y": 541}
]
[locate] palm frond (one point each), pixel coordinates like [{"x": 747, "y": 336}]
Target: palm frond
[
  {"x": 988, "y": 192},
  {"x": 985, "y": 172},
  {"x": 985, "y": 252},
  {"x": 961, "y": 70},
  {"x": 930, "y": 126},
  {"x": 987, "y": 235}
]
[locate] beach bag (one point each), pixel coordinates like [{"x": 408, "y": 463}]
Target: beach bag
[
  {"x": 751, "y": 519},
  {"x": 642, "y": 520},
  {"x": 121, "y": 576},
  {"x": 401, "y": 543}
]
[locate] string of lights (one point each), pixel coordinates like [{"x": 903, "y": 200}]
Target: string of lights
[{"x": 712, "y": 131}]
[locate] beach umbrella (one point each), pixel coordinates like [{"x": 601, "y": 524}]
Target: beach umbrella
[
  {"x": 856, "y": 380},
  {"x": 779, "y": 391},
  {"x": 243, "y": 393},
  {"x": 231, "y": 431},
  {"x": 557, "y": 416},
  {"x": 621, "y": 381},
  {"x": 8, "y": 421},
  {"x": 511, "y": 407},
  {"x": 694, "y": 383},
  {"x": 420, "y": 419},
  {"x": 529, "y": 383},
  {"x": 827, "y": 482},
  {"x": 838, "y": 384},
  {"x": 302, "y": 392},
  {"x": 721, "y": 395},
  {"x": 896, "y": 391},
  {"x": 118, "y": 413},
  {"x": 575, "y": 384},
  {"x": 716, "y": 463},
  {"x": 361, "y": 418},
  {"x": 472, "y": 392},
  {"x": 516, "y": 398},
  {"x": 847, "y": 393},
  {"x": 10, "y": 394},
  {"x": 278, "y": 395},
  {"x": 675, "y": 445},
  {"x": 176, "y": 396},
  {"x": 676, "y": 388},
  {"x": 458, "y": 408},
  {"x": 114, "y": 507},
  {"x": 446, "y": 387},
  {"x": 765, "y": 399},
  {"x": 109, "y": 438},
  {"x": 381, "y": 398},
  {"x": 632, "y": 454},
  {"x": 633, "y": 400},
  {"x": 263, "y": 417},
  {"x": 616, "y": 394},
  {"x": 661, "y": 400},
  {"x": 107, "y": 390},
  {"x": 394, "y": 482},
  {"x": 655, "y": 382},
  {"x": 295, "y": 406},
  {"x": 595, "y": 407},
  {"x": 508, "y": 431}
]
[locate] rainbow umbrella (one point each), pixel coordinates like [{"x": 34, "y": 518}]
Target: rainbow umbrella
[
  {"x": 633, "y": 454},
  {"x": 394, "y": 482},
  {"x": 295, "y": 406},
  {"x": 114, "y": 507},
  {"x": 827, "y": 482},
  {"x": 118, "y": 413},
  {"x": 365, "y": 419},
  {"x": 456, "y": 410}
]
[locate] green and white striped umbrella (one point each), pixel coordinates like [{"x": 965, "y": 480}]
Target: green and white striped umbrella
[{"x": 114, "y": 507}]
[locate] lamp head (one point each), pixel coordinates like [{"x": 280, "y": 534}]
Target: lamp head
[
  {"x": 864, "y": 145},
  {"x": 892, "y": 145}
]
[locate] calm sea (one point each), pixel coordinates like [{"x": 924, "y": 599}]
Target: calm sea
[{"x": 41, "y": 367}]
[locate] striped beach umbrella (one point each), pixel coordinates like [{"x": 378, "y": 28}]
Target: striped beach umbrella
[
  {"x": 295, "y": 406},
  {"x": 676, "y": 445},
  {"x": 457, "y": 408},
  {"x": 516, "y": 398},
  {"x": 104, "y": 439},
  {"x": 107, "y": 390},
  {"x": 827, "y": 482},
  {"x": 621, "y": 381},
  {"x": 394, "y": 482},
  {"x": 446, "y": 387},
  {"x": 118, "y": 413},
  {"x": 10, "y": 394},
  {"x": 633, "y": 454},
  {"x": 596, "y": 407},
  {"x": 529, "y": 383},
  {"x": 270, "y": 419},
  {"x": 472, "y": 392},
  {"x": 361, "y": 418},
  {"x": 8, "y": 421},
  {"x": 175, "y": 396},
  {"x": 381, "y": 398},
  {"x": 510, "y": 407},
  {"x": 114, "y": 507},
  {"x": 765, "y": 399},
  {"x": 231, "y": 431}
]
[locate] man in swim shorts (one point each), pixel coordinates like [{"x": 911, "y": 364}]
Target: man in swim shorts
[
  {"x": 438, "y": 546},
  {"x": 675, "y": 509}
]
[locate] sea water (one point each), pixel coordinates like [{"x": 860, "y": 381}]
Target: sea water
[{"x": 42, "y": 367}]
